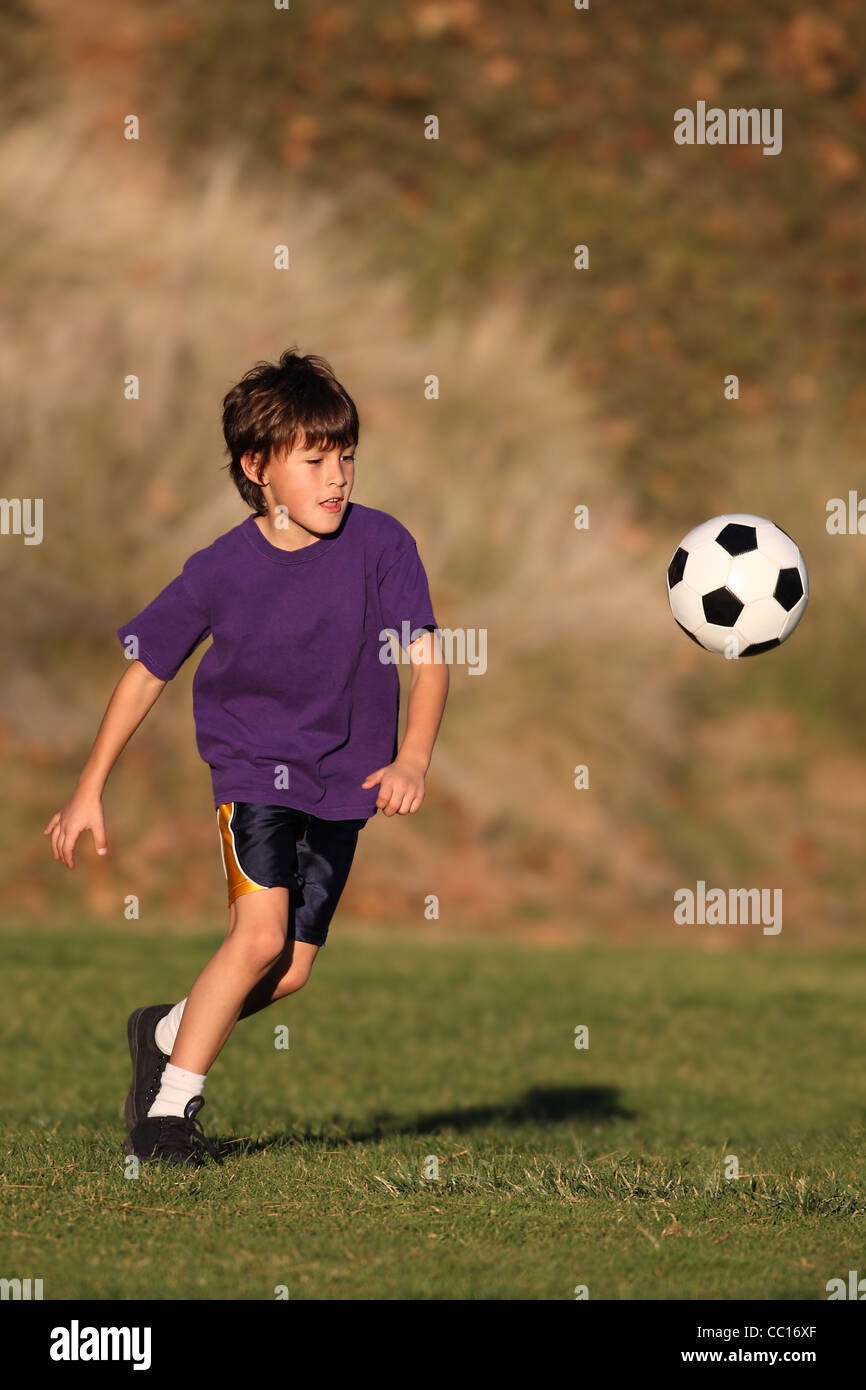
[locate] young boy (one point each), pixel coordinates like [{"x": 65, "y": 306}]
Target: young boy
[{"x": 296, "y": 708}]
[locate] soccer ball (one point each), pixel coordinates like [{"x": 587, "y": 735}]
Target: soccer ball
[{"x": 738, "y": 585}]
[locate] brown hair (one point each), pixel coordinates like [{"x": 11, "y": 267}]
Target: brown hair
[{"x": 274, "y": 406}]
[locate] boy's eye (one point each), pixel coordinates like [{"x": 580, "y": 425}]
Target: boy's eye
[{"x": 347, "y": 458}]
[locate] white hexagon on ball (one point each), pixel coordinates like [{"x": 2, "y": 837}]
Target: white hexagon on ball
[
  {"x": 752, "y": 575},
  {"x": 761, "y": 621},
  {"x": 707, "y": 568}
]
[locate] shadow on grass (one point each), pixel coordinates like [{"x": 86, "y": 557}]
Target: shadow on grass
[{"x": 539, "y": 1105}]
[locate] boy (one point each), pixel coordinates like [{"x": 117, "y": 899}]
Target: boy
[{"x": 296, "y": 707}]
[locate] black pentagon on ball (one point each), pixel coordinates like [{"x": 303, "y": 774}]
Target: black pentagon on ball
[
  {"x": 789, "y": 588},
  {"x": 757, "y": 647},
  {"x": 737, "y": 539},
  {"x": 722, "y": 607},
  {"x": 677, "y": 566},
  {"x": 688, "y": 634}
]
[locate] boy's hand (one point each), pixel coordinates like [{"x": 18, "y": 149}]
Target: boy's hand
[
  {"x": 83, "y": 812},
  {"x": 401, "y": 786}
]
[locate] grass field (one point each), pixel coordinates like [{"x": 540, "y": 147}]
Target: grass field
[{"x": 558, "y": 1167}]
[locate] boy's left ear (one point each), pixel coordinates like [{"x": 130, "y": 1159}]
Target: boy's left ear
[{"x": 254, "y": 461}]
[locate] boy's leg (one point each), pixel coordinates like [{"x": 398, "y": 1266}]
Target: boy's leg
[
  {"x": 255, "y": 943},
  {"x": 324, "y": 852},
  {"x": 256, "y": 940},
  {"x": 289, "y": 974}
]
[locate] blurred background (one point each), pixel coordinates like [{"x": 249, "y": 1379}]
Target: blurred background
[{"x": 412, "y": 257}]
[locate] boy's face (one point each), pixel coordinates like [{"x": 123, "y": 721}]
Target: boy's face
[{"x": 298, "y": 486}]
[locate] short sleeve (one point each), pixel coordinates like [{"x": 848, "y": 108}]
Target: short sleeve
[
  {"x": 405, "y": 596},
  {"x": 167, "y": 631}
]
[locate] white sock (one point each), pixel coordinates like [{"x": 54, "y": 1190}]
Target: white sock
[
  {"x": 166, "y": 1030},
  {"x": 178, "y": 1087}
]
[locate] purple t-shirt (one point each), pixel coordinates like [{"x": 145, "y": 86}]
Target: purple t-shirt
[{"x": 293, "y": 706}]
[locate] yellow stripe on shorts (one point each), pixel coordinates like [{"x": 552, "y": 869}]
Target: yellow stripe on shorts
[{"x": 238, "y": 881}]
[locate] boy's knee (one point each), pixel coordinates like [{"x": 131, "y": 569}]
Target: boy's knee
[
  {"x": 262, "y": 945},
  {"x": 294, "y": 980}
]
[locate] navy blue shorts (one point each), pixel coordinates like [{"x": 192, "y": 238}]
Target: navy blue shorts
[{"x": 278, "y": 847}]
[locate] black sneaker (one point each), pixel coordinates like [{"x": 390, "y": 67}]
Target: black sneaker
[
  {"x": 172, "y": 1138},
  {"x": 148, "y": 1062}
]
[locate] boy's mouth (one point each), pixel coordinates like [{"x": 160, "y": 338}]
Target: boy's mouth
[{"x": 332, "y": 504}]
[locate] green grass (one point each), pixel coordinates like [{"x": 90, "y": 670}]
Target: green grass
[{"x": 558, "y": 1167}]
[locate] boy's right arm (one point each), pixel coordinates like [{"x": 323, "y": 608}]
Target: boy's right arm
[{"x": 135, "y": 693}]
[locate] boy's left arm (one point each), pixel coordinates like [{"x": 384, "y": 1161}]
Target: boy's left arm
[{"x": 401, "y": 789}]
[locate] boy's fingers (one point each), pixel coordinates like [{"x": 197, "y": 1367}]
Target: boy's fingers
[
  {"x": 68, "y": 847},
  {"x": 63, "y": 840},
  {"x": 51, "y": 824}
]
